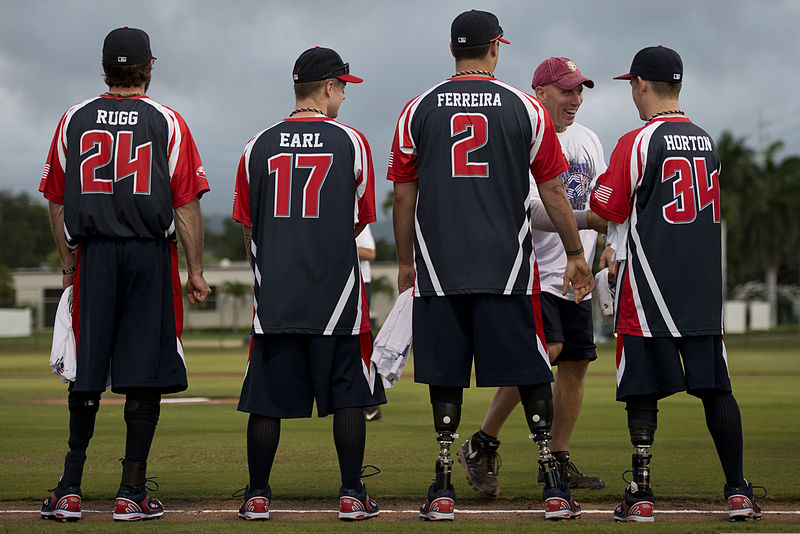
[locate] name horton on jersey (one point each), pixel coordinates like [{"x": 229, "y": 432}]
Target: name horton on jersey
[
  {"x": 688, "y": 142},
  {"x": 469, "y": 100}
]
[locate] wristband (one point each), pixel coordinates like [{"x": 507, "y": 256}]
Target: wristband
[
  {"x": 574, "y": 252},
  {"x": 68, "y": 270}
]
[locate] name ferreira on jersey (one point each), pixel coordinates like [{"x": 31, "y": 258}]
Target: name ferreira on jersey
[
  {"x": 117, "y": 118},
  {"x": 688, "y": 142},
  {"x": 296, "y": 140},
  {"x": 469, "y": 100}
]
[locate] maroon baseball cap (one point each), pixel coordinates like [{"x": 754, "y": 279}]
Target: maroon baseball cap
[
  {"x": 127, "y": 46},
  {"x": 561, "y": 72},
  {"x": 320, "y": 64}
]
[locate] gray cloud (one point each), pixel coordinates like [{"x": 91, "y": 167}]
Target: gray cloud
[{"x": 226, "y": 66}]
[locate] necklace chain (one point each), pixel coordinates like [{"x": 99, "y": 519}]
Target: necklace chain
[
  {"x": 121, "y": 95},
  {"x": 300, "y": 110},
  {"x": 472, "y": 73},
  {"x": 667, "y": 112}
]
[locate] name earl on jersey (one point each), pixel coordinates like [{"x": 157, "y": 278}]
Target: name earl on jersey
[
  {"x": 469, "y": 100},
  {"x": 296, "y": 140}
]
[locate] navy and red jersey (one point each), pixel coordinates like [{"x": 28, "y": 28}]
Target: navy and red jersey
[
  {"x": 302, "y": 185},
  {"x": 120, "y": 166},
  {"x": 663, "y": 183},
  {"x": 470, "y": 143}
]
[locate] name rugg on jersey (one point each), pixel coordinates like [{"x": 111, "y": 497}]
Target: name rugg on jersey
[
  {"x": 296, "y": 140},
  {"x": 117, "y": 118},
  {"x": 688, "y": 142},
  {"x": 469, "y": 100}
]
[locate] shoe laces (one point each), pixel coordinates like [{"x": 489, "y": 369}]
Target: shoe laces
[
  {"x": 150, "y": 484},
  {"x": 240, "y": 492},
  {"x": 763, "y": 491},
  {"x": 628, "y": 482},
  {"x": 366, "y": 474}
]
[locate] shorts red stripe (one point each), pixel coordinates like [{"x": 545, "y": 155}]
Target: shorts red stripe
[
  {"x": 76, "y": 297},
  {"x": 177, "y": 294}
]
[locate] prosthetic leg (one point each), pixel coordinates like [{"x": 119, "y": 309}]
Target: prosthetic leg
[
  {"x": 637, "y": 506},
  {"x": 537, "y": 400},
  {"x": 446, "y": 403}
]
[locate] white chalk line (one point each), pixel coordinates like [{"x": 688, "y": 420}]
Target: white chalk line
[{"x": 457, "y": 511}]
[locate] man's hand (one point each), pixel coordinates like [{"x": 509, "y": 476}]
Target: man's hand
[
  {"x": 405, "y": 277},
  {"x": 197, "y": 288},
  {"x": 605, "y": 261},
  {"x": 580, "y": 275}
]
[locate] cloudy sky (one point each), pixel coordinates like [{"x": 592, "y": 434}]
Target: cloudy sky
[{"x": 226, "y": 65}]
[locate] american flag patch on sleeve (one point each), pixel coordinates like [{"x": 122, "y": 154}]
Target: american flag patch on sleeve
[
  {"x": 603, "y": 193},
  {"x": 46, "y": 170}
]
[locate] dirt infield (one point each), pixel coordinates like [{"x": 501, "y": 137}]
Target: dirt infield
[{"x": 394, "y": 511}]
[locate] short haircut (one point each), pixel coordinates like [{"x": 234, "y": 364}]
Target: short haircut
[
  {"x": 309, "y": 89},
  {"x": 666, "y": 89},
  {"x": 471, "y": 52},
  {"x": 127, "y": 75},
  {"x": 662, "y": 89}
]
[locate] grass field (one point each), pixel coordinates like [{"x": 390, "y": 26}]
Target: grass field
[{"x": 199, "y": 450}]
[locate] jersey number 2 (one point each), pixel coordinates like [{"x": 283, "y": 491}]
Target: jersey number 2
[
  {"x": 282, "y": 166},
  {"x": 124, "y": 165},
  {"x": 478, "y": 127},
  {"x": 682, "y": 209}
]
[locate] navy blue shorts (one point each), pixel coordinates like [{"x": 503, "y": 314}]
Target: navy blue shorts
[
  {"x": 652, "y": 365},
  {"x": 503, "y": 332},
  {"x": 571, "y": 324},
  {"x": 287, "y": 372},
  {"x": 127, "y": 314}
]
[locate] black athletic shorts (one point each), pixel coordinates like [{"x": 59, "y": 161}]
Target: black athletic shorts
[
  {"x": 652, "y": 365},
  {"x": 571, "y": 324},
  {"x": 503, "y": 332},
  {"x": 287, "y": 372},
  {"x": 127, "y": 315}
]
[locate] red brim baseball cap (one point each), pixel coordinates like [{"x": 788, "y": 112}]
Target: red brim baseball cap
[
  {"x": 320, "y": 64},
  {"x": 655, "y": 63},
  {"x": 561, "y": 72}
]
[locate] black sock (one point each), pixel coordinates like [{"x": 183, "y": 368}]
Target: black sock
[
  {"x": 82, "y": 414},
  {"x": 142, "y": 410},
  {"x": 263, "y": 435},
  {"x": 725, "y": 426},
  {"x": 349, "y": 436}
]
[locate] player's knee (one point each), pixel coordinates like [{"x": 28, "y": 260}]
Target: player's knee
[
  {"x": 143, "y": 406},
  {"x": 554, "y": 350},
  {"x": 446, "y": 403},
  {"x": 84, "y": 401}
]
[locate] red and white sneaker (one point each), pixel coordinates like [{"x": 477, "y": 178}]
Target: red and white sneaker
[
  {"x": 439, "y": 506},
  {"x": 559, "y": 504},
  {"x": 256, "y": 504},
  {"x": 136, "y": 507},
  {"x": 63, "y": 504},
  {"x": 741, "y": 502},
  {"x": 354, "y": 505},
  {"x": 636, "y": 507}
]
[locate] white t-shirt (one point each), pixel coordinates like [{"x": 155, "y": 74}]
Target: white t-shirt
[
  {"x": 584, "y": 153},
  {"x": 365, "y": 240}
]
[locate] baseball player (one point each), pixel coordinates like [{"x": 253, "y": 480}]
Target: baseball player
[
  {"x": 123, "y": 174},
  {"x": 460, "y": 159},
  {"x": 568, "y": 328},
  {"x": 662, "y": 186},
  {"x": 304, "y": 190}
]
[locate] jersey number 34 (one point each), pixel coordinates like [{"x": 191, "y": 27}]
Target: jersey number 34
[{"x": 688, "y": 178}]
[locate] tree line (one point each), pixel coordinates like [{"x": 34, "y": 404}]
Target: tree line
[{"x": 760, "y": 196}]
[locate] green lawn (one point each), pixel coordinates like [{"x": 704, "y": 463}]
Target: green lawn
[{"x": 199, "y": 450}]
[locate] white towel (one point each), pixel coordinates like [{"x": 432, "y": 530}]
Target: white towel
[
  {"x": 62, "y": 356},
  {"x": 604, "y": 292},
  {"x": 391, "y": 345}
]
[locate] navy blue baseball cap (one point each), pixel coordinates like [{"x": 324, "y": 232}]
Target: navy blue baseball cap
[
  {"x": 475, "y": 28},
  {"x": 657, "y": 64},
  {"x": 320, "y": 64},
  {"x": 127, "y": 46}
]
